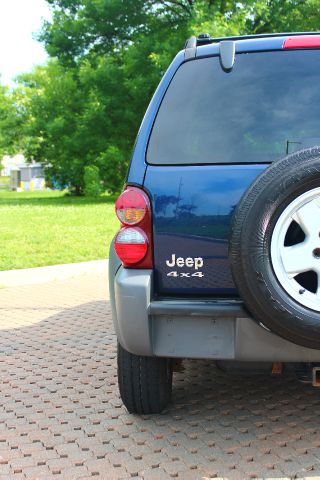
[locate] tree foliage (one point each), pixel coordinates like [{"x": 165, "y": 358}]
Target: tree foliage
[
  {"x": 92, "y": 183},
  {"x": 107, "y": 57},
  {"x": 12, "y": 116}
]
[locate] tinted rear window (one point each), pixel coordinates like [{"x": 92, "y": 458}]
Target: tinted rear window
[{"x": 269, "y": 105}]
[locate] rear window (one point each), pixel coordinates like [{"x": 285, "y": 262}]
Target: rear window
[{"x": 269, "y": 105}]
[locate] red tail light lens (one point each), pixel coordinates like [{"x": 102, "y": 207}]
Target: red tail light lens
[{"x": 133, "y": 244}]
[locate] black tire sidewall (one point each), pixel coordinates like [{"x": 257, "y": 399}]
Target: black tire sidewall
[{"x": 254, "y": 221}]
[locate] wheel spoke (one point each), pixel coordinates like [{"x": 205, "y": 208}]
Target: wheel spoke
[
  {"x": 308, "y": 217},
  {"x": 297, "y": 259}
]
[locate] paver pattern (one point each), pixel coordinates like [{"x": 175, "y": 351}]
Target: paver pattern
[{"x": 61, "y": 416}]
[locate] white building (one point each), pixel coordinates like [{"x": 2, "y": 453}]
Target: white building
[
  {"x": 23, "y": 175},
  {"x": 11, "y": 163}
]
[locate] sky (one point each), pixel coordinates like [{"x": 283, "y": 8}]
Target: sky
[{"x": 19, "y": 20}]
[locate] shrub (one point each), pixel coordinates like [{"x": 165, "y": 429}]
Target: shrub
[{"x": 92, "y": 183}]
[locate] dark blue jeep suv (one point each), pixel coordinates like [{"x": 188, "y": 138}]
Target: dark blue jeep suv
[{"x": 218, "y": 254}]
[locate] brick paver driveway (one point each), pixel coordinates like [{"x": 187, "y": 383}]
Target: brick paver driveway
[{"x": 61, "y": 417}]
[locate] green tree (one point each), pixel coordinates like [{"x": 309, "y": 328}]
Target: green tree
[
  {"x": 92, "y": 183},
  {"x": 52, "y": 129},
  {"x": 83, "y": 27},
  {"x": 12, "y": 117},
  {"x": 283, "y": 16}
]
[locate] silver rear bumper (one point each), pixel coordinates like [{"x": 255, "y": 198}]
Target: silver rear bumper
[{"x": 216, "y": 329}]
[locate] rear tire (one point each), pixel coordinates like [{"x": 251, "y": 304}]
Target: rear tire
[{"x": 145, "y": 383}]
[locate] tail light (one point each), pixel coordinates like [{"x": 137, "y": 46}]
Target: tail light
[
  {"x": 133, "y": 243},
  {"x": 302, "y": 41}
]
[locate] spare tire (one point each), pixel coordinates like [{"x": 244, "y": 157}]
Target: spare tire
[{"x": 275, "y": 248}]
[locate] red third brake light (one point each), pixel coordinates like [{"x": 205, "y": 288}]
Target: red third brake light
[
  {"x": 302, "y": 41},
  {"x": 133, "y": 244}
]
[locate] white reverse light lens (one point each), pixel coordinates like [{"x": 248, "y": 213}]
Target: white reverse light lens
[{"x": 131, "y": 235}]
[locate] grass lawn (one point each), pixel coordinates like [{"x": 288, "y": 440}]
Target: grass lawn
[{"x": 47, "y": 228}]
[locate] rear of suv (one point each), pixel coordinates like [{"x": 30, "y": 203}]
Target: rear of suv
[{"x": 218, "y": 254}]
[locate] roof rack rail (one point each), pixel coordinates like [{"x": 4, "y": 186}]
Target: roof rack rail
[{"x": 206, "y": 39}]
